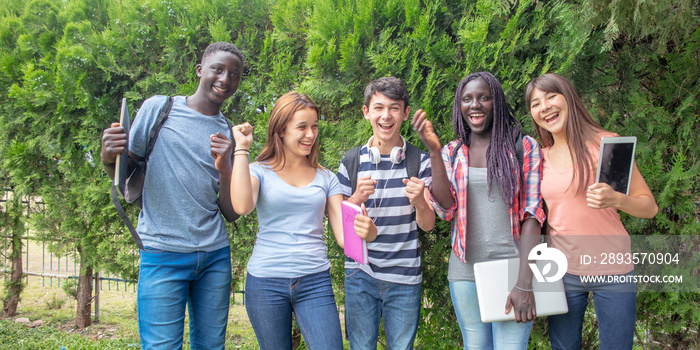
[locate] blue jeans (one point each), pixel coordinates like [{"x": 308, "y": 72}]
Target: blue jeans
[
  {"x": 615, "y": 309},
  {"x": 169, "y": 281},
  {"x": 368, "y": 299},
  {"x": 270, "y": 303},
  {"x": 480, "y": 335}
]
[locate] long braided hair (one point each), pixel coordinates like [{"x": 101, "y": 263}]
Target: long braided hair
[{"x": 501, "y": 163}]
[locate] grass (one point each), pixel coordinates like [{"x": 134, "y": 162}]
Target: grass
[
  {"x": 116, "y": 329},
  {"x": 20, "y": 337},
  {"x": 54, "y": 302},
  {"x": 46, "y": 299}
]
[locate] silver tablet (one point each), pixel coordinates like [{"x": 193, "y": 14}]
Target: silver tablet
[{"x": 615, "y": 162}]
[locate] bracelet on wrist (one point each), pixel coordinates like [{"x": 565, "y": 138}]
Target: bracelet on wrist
[
  {"x": 241, "y": 149},
  {"x": 522, "y": 289}
]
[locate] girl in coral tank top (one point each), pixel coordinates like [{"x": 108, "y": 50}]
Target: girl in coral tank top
[{"x": 583, "y": 215}]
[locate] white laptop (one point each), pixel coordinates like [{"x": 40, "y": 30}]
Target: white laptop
[{"x": 494, "y": 281}]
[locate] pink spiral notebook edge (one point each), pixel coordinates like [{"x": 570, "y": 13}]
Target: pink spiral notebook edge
[{"x": 355, "y": 247}]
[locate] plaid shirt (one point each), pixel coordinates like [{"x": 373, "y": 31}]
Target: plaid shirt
[{"x": 527, "y": 204}]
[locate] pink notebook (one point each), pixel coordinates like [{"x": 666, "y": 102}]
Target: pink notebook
[{"x": 355, "y": 247}]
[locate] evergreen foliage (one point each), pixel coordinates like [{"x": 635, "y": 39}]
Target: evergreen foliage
[{"x": 64, "y": 67}]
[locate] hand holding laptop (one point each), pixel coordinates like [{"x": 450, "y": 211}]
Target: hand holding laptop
[
  {"x": 122, "y": 159},
  {"x": 495, "y": 281},
  {"x": 522, "y": 303}
]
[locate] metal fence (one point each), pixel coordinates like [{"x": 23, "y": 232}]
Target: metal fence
[
  {"x": 54, "y": 269},
  {"x": 58, "y": 269}
]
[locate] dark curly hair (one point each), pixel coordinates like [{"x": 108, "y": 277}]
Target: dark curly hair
[{"x": 222, "y": 46}]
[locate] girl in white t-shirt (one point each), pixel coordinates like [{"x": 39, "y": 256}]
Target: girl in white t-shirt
[{"x": 289, "y": 271}]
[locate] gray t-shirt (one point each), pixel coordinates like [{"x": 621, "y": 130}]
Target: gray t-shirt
[
  {"x": 488, "y": 228},
  {"x": 180, "y": 193}
]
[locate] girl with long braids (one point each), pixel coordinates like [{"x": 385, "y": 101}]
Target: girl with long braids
[
  {"x": 501, "y": 208},
  {"x": 583, "y": 216}
]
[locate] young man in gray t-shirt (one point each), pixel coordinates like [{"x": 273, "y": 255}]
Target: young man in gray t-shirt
[{"x": 186, "y": 256}]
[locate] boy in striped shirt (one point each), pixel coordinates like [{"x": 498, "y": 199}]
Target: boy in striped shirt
[{"x": 389, "y": 285}]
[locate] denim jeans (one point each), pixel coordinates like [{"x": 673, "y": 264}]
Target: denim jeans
[
  {"x": 368, "y": 299},
  {"x": 270, "y": 303},
  {"x": 615, "y": 309},
  {"x": 480, "y": 335},
  {"x": 167, "y": 282}
]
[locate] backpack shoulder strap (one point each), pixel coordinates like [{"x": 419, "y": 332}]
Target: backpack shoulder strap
[
  {"x": 413, "y": 160},
  {"x": 125, "y": 218},
  {"x": 152, "y": 136},
  {"x": 455, "y": 150},
  {"x": 155, "y": 130},
  {"x": 352, "y": 164},
  {"x": 519, "y": 149}
]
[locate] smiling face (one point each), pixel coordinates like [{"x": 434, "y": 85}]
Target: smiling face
[
  {"x": 549, "y": 110},
  {"x": 219, "y": 76},
  {"x": 477, "y": 107},
  {"x": 386, "y": 116},
  {"x": 300, "y": 133}
]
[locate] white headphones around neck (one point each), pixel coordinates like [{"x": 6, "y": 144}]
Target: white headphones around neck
[{"x": 397, "y": 153}]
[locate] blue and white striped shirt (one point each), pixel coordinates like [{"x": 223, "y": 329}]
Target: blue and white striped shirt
[{"x": 395, "y": 255}]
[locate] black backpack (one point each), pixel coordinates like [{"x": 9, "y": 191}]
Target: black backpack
[{"x": 352, "y": 163}]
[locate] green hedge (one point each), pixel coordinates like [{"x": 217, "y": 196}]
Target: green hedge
[{"x": 64, "y": 66}]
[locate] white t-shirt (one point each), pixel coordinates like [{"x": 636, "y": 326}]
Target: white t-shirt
[{"x": 290, "y": 241}]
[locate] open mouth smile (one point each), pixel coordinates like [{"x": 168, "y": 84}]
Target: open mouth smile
[
  {"x": 551, "y": 118},
  {"x": 220, "y": 89},
  {"x": 477, "y": 118},
  {"x": 385, "y": 126}
]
